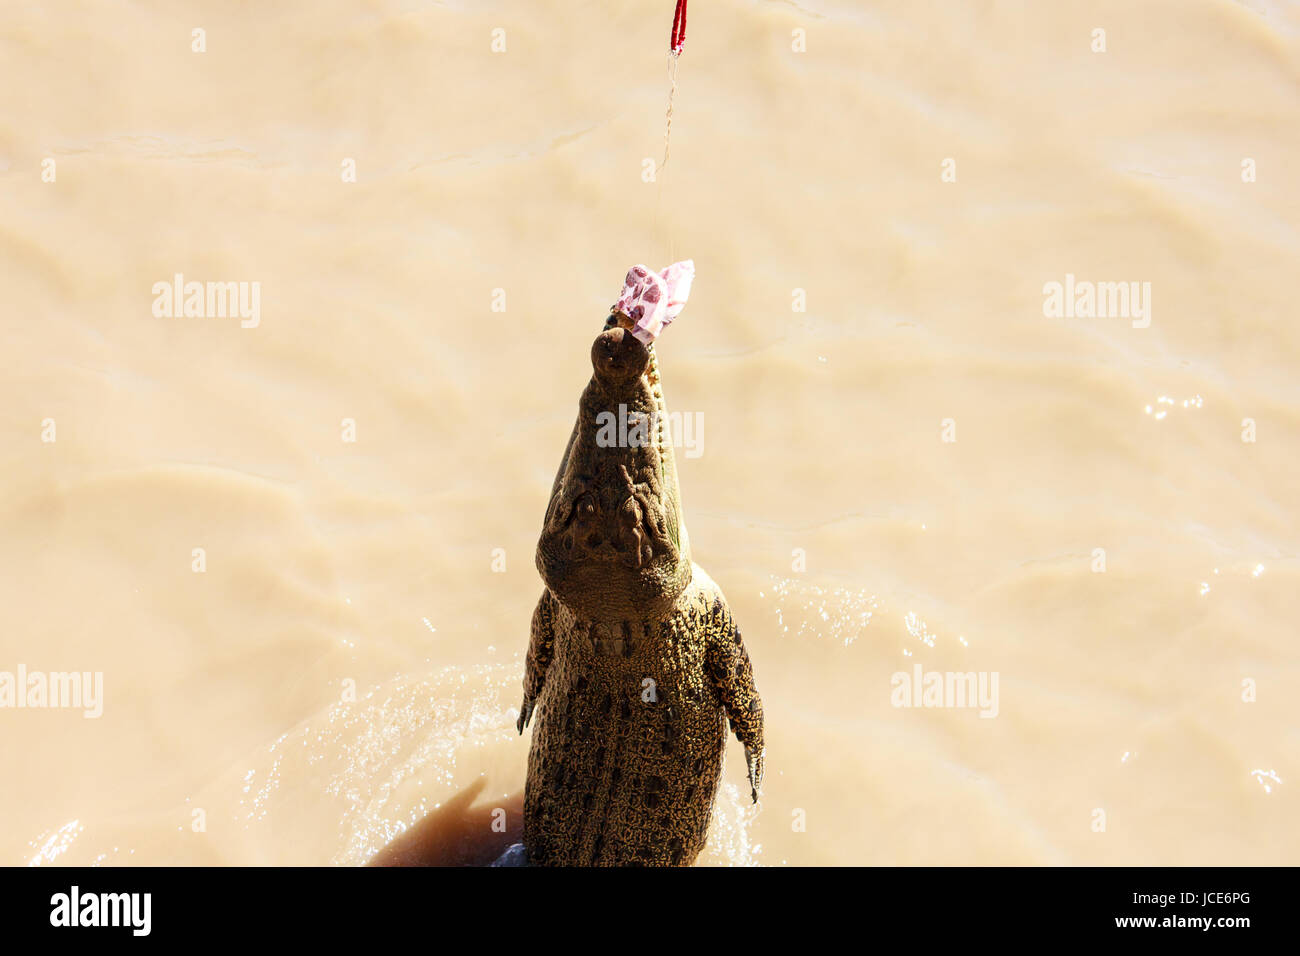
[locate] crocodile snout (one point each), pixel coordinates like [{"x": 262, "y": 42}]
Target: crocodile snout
[{"x": 618, "y": 357}]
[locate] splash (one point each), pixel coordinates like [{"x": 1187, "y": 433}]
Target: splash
[{"x": 839, "y": 613}]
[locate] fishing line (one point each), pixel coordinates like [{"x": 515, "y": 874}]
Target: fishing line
[{"x": 676, "y": 41}]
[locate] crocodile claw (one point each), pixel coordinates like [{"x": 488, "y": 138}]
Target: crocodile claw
[
  {"x": 754, "y": 762},
  {"x": 525, "y": 714}
]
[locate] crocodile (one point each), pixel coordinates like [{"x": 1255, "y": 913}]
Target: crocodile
[{"x": 635, "y": 664}]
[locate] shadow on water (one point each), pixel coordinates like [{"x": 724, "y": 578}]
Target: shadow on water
[{"x": 457, "y": 833}]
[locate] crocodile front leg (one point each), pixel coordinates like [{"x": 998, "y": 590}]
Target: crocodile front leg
[
  {"x": 541, "y": 648},
  {"x": 732, "y": 675}
]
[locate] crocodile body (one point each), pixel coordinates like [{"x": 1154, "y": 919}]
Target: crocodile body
[{"x": 635, "y": 664}]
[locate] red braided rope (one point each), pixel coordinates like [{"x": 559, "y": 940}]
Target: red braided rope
[{"x": 679, "y": 28}]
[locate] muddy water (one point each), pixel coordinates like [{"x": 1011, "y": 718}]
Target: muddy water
[{"x": 905, "y": 462}]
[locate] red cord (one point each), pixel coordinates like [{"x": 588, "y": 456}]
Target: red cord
[{"x": 678, "y": 38}]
